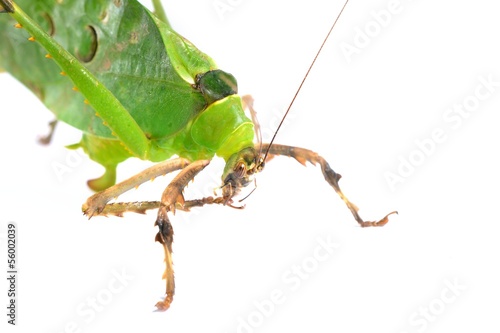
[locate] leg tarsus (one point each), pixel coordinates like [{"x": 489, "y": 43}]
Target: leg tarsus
[{"x": 379, "y": 223}]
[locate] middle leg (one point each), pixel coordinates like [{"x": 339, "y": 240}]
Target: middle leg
[{"x": 171, "y": 199}]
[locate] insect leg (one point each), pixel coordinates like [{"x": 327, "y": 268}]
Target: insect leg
[
  {"x": 248, "y": 104},
  {"x": 97, "y": 202},
  {"x": 171, "y": 197},
  {"x": 140, "y": 207},
  {"x": 304, "y": 155},
  {"x": 45, "y": 140}
]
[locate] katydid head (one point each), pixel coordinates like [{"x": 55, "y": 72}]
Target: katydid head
[{"x": 239, "y": 171}]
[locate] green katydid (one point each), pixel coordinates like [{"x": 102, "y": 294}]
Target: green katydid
[{"x": 145, "y": 92}]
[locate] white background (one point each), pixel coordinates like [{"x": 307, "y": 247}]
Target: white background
[{"x": 363, "y": 116}]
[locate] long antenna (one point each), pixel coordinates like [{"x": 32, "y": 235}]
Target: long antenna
[{"x": 304, "y": 79}]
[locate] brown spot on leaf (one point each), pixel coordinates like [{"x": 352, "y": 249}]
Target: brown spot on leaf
[
  {"x": 104, "y": 17},
  {"x": 106, "y": 65},
  {"x": 134, "y": 37}
]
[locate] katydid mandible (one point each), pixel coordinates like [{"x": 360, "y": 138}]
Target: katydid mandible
[{"x": 145, "y": 92}]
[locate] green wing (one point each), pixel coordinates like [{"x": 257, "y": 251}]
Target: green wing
[{"x": 145, "y": 64}]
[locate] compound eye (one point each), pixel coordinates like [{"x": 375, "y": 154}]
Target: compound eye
[{"x": 240, "y": 170}]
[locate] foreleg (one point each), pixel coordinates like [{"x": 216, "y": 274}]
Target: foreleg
[
  {"x": 302, "y": 155},
  {"x": 96, "y": 203}
]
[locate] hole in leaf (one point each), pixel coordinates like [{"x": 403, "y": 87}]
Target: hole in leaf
[{"x": 88, "y": 45}]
